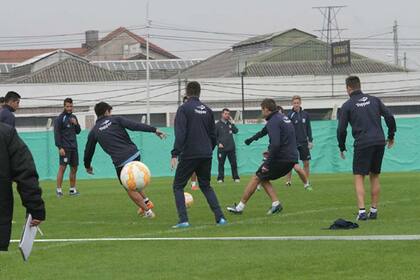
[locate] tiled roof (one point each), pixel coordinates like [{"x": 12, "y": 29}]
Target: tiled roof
[
  {"x": 138, "y": 38},
  {"x": 70, "y": 70},
  {"x": 17, "y": 56}
]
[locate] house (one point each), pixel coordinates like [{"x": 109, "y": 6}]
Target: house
[{"x": 120, "y": 44}]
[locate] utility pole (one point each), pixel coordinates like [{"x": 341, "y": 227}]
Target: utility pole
[
  {"x": 396, "y": 45},
  {"x": 147, "y": 64},
  {"x": 330, "y": 24},
  {"x": 405, "y": 61}
]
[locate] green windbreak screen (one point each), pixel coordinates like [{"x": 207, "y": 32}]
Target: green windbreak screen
[{"x": 405, "y": 156}]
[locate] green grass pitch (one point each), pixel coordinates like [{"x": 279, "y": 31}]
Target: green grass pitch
[{"x": 104, "y": 210}]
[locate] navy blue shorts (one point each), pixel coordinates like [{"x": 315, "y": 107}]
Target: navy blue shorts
[
  {"x": 304, "y": 153},
  {"x": 368, "y": 160},
  {"x": 71, "y": 158},
  {"x": 276, "y": 170}
]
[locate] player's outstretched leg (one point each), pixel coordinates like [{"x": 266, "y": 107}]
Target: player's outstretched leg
[{"x": 248, "y": 192}]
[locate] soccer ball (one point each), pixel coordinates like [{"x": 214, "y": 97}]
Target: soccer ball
[
  {"x": 135, "y": 176},
  {"x": 188, "y": 199}
]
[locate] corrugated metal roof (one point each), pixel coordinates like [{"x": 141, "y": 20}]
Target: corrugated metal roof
[{"x": 70, "y": 71}]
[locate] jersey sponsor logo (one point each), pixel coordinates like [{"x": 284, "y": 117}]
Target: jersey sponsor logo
[
  {"x": 105, "y": 125},
  {"x": 200, "y": 110},
  {"x": 286, "y": 120},
  {"x": 304, "y": 120},
  {"x": 363, "y": 102}
]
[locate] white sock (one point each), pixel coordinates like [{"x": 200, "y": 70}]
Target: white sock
[
  {"x": 145, "y": 200},
  {"x": 361, "y": 211},
  {"x": 307, "y": 184},
  {"x": 373, "y": 210},
  {"x": 240, "y": 206},
  {"x": 193, "y": 183},
  {"x": 59, "y": 189},
  {"x": 275, "y": 203}
]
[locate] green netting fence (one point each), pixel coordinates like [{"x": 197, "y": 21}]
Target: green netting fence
[{"x": 405, "y": 156}]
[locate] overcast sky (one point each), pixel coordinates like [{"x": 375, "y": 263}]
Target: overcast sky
[{"x": 361, "y": 18}]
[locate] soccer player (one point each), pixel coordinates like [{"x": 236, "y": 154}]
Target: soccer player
[
  {"x": 194, "y": 183},
  {"x": 364, "y": 112},
  {"x": 11, "y": 104},
  {"x": 66, "y": 127},
  {"x": 195, "y": 140},
  {"x": 282, "y": 156},
  {"x": 110, "y": 132},
  {"x": 225, "y": 128},
  {"x": 302, "y": 124},
  {"x": 17, "y": 165}
]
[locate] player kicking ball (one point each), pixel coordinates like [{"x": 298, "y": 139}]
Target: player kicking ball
[
  {"x": 110, "y": 132},
  {"x": 282, "y": 156}
]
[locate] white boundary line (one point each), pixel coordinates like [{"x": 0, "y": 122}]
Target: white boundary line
[{"x": 243, "y": 238}]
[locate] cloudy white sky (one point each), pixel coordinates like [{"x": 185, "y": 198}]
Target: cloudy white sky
[{"x": 361, "y": 18}]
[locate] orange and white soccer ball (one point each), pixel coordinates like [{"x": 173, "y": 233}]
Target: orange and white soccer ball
[
  {"x": 135, "y": 176},
  {"x": 188, "y": 199}
]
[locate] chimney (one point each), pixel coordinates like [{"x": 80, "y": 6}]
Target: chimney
[{"x": 92, "y": 39}]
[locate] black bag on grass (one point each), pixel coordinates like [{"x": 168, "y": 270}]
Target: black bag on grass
[{"x": 343, "y": 224}]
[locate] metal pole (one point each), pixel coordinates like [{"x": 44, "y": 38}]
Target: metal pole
[
  {"x": 147, "y": 65},
  {"x": 395, "y": 31},
  {"x": 243, "y": 97},
  {"x": 179, "y": 91}
]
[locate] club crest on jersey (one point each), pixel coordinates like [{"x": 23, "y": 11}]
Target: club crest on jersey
[{"x": 200, "y": 110}]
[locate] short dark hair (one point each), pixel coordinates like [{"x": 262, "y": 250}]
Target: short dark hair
[
  {"x": 193, "y": 89},
  {"x": 269, "y": 104},
  {"x": 11, "y": 96},
  {"x": 101, "y": 108},
  {"x": 184, "y": 99},
  {"x": 353, "y": 82},
  {"x": 225, "y": 110},
  {"x": 2, "y": 99},
  {"x": 68, "y": 100}
]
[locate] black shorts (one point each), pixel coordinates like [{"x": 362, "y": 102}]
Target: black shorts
[
  {"x": 304, "y": 153},
  {"x": 368, "y": 160},
  {"x": 120, "y": 168},
  {"x": 71, "y": 158},
  {"x": 276, "y": 170}
]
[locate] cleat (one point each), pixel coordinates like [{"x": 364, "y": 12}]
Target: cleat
[
  {"x": 149, "y": 205},
  {"x": 259, "y": 187},
  {"x": 237, "y": 181},
  {"x": 274, "y": 209},
  {"x": 372, "y": 216},
  {"x": 232, "y": 209},
  {"x": 182, "y": 225},
  {"x": 74, "y": 193},
  {"x": 149, "y": 214},
  {"x": 59, "y": 193},
  {"x": 219, "y": 181},
  {"x": 308, "y": 188},
  {"x": 288, "y": 184},
  {"x": 361, "y": 217},
  {"x": 222, "y": 222}
]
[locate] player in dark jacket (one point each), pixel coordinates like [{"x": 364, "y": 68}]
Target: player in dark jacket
[
  {"x": 364, "y": 112},
  {"x": 302, "y": 124},
  {"x": 66, "y": 127},
  {"x": 195, "y": 140},
  {"x": 225, "y": 129},
  {"x": 262, "y": 133},
  {"x": 11, "y": 104},
  {"x": 17, "y": 165},
  {"x": 110, "y": 132},
  {"x": 282, "y": 156}
]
